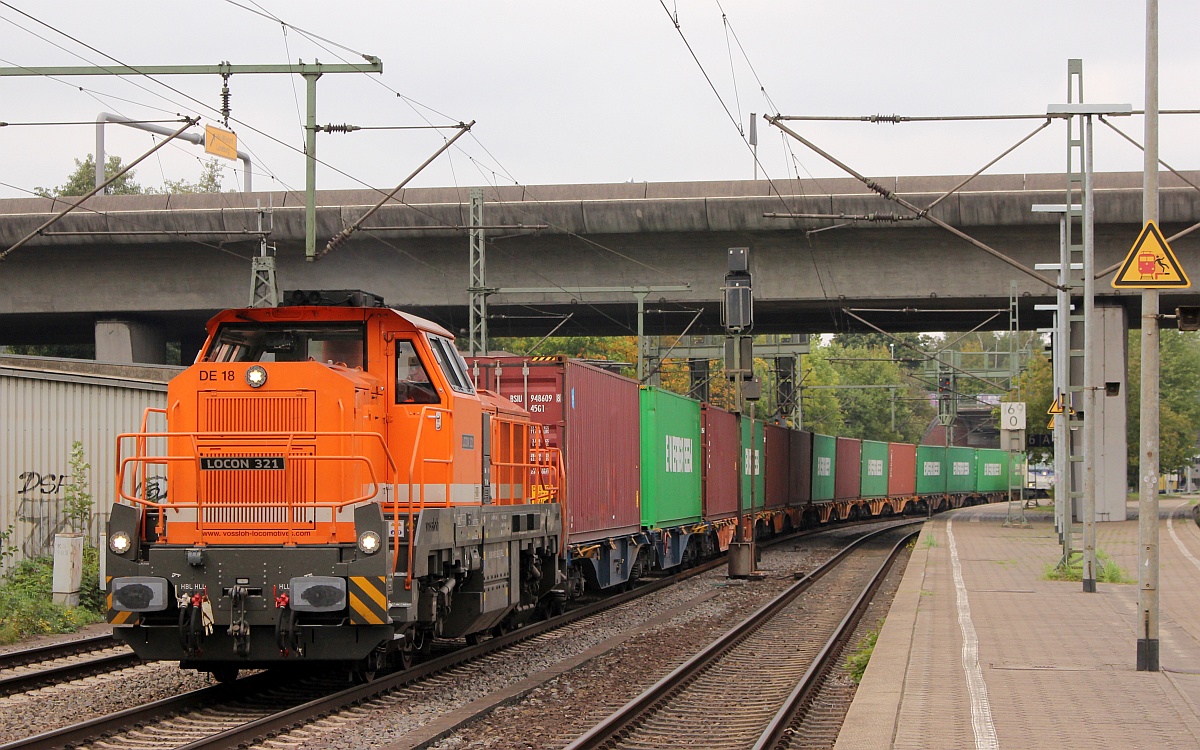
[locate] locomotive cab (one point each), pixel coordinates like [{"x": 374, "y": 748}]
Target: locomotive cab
[{"x": 336, "y": 490}]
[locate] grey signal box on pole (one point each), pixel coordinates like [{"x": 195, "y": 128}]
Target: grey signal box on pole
[{"x": 737, "y": 309}]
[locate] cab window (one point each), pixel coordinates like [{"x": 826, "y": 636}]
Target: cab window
[
  {"x": 413, "y": 385},
  {"x": 451, "y": 363},
  {"x": 340, "y": 344}
]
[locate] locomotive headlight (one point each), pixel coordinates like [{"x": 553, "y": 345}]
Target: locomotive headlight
[
  {"x": 119, "y": 543},
  {"x": 368, "y": 542},
  {"x": 256, "y": 376}
]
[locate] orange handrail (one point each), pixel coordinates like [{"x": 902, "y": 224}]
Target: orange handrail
[
  {"x": 427, "y": 412},
  {"x": 246, "y": 437}
]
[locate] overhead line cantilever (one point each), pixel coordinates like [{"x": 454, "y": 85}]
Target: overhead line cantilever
[{"x": 921, "y": 213}]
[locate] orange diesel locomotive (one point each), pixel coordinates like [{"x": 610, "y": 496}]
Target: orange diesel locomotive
[{"x": 336, "y": 490}]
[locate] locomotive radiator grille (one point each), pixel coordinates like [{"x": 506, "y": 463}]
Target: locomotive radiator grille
[
  {"x": 266, "y": 497},
  {"x": 259, "y": 412},
  {"x": 263, "y": 497}
]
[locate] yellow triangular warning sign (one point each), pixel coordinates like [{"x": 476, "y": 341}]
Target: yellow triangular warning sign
[
  {"x": 1051, "y": 425},
  {"x": 1056, "y": 407},
  {"x": 1151, "y": 264}
]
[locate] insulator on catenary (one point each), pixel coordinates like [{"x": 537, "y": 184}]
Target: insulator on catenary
[
  {"x": 343, "y": 128},
  {"x": 225, "y": 97}
]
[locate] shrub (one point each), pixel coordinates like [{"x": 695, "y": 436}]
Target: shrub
[
  {"x": 856, "y": 662},
  {"x": 26, "y": 606}
]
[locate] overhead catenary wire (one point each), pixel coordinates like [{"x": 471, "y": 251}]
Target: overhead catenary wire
[
  {"x": 413, "y": 104},
  {"x": 187, "y": 124},
  {"x": 408, "y": 101},
  {"x": 189, "y": 97}
]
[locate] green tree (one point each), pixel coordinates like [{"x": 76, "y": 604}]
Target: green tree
[
  {"x": 68, "y": 351},
  {"x": 77, "y": 492},
  {"x": 83, "y": 179},
  {"x": 1179, "y": 400},
  {"x": 1035, "y": 386},
  {"x": 877, "y": 400},
  {"x": 209, "y": 182},
  {"x": 821, "y": 411}
]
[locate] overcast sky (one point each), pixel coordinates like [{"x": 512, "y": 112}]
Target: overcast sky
[{"x": 581, "y": 92}]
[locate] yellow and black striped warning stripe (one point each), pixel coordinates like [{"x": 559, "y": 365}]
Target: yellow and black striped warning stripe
[
  {"x": 368, "y": 600},
  {"x": 114, "y": 616}
]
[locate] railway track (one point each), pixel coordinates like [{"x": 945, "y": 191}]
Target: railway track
[
  {"x": 253, "y": 707},
  {"x": 724, "y": 697},
  {"x": 265, "y": 705},
  {"x": 31, "y": 668}
]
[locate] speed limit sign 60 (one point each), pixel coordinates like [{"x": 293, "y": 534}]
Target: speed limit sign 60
[{"x": 1012, "y": 416}]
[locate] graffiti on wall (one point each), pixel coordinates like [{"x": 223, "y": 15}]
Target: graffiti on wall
[{"x": 41, "y": 509}]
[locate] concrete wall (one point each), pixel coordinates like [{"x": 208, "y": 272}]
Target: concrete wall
[{"x": 47, "y": 405}]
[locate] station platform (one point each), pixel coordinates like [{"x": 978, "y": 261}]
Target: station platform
[{"x": 979, "y": 650}]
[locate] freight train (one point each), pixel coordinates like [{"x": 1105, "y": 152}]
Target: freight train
[{"x": 342, "y": 487}]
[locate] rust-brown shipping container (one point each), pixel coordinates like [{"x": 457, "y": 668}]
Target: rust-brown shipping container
[
  {"x": 778, "y": 452},
  {"x": 800, "y": 448},
  {"x": 847, "y": 479},
  {"x": 592, "y": 415},
  {"x": 721, "y": 447},
  {"x": 902, "y": 469}
]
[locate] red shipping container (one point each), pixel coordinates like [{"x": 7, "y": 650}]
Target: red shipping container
[
  {"x": 592, "y": 415},
  {"x": 720, "y": 468},
  {"x": 847, "y": 469},
  {"x": 800, "y": 448},
  {"x": 902, "y": 469},
  {"x": 777, "y": 458}
]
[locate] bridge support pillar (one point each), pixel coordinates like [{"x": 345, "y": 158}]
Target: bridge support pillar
[{"x": 130, "y": 341}]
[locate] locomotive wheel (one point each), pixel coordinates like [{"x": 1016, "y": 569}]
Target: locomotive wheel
[
  {"x": 361, "y": 672},
  {"x": 406, "y": 655},
  {"x": 472, "y": 639},
  {"x": 224, "y": 674}
]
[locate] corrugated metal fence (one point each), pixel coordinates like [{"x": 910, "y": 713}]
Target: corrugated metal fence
[{"x": 46, "y": 405}]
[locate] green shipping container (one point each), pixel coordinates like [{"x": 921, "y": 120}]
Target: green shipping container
[
  {"x": 670, "y": 459},
  {"x": 1016, "y": 467},
  {"x": 823, "y": 466},
  {"x": 992, "y": 473},
  {"x": 752, "y": 466},
  {"x": 874, "y": 474},
  {"x": 931, "y": 469},
  {"x": 960, "y": 470}
]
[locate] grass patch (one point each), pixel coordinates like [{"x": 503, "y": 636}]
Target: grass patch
[
  {"x": 1107, "y": 570},
  {"x": 26, "y": 608},
  {"x": 856, "y": 662},
  {"x": 930, "y": 541}
]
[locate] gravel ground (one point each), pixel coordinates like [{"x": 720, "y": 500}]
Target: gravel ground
[
  {"x": 661, "y": 630},
  {"x": 590, "y": 693},
  {"x": 27, "y": 714}
]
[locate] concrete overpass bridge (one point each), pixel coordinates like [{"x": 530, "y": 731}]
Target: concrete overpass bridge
[{"x": 157, "y": 266}]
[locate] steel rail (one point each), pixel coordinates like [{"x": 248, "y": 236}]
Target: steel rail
[
  {"x": 255, "y": 730},
  {"x": 25, "y": 681},
  {"x": 774, "y": 733},
  {"x": 54, "y": 651},
  {"x": 114, "y": 723},
  {"x": 601, "y": 734},
  {"x": 268, "y": 727}
]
